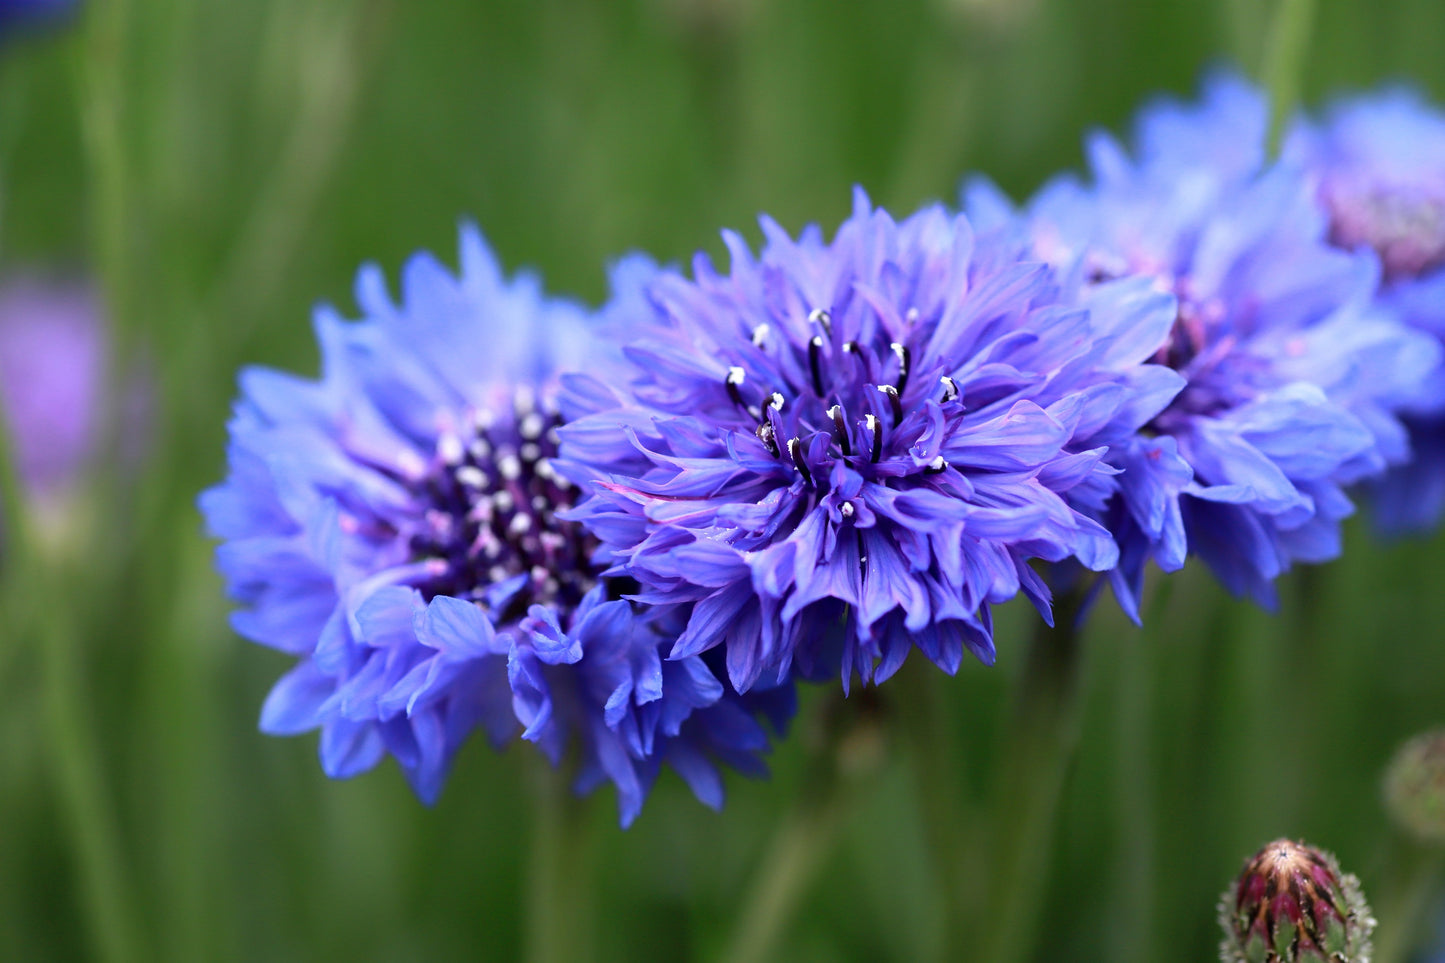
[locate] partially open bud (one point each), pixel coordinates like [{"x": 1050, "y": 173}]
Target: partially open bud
[
  {"x": 1415, "y": 786},
  {"x": 1291, "y": 903}
]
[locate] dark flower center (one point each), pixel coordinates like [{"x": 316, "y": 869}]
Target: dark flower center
[
  {"x": 1196, "y": 345},
  {"x": 493, "y": 499},
  {"x": 851, "y": 392}
]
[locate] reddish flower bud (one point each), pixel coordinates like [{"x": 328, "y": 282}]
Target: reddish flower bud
[{"x": 1291, "y": 903}]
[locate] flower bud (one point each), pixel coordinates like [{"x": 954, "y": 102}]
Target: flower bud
[
  {"x": 1291, "y": 903},
  {"x": 1415, "y": 786}
]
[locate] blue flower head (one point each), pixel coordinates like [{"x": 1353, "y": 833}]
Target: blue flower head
[
  {"x": 1293, "y": 377},
  {"x": 395, "y": 527},
  {"x": 840, "y": 450},
  {"x": 1379, "y": 165}
]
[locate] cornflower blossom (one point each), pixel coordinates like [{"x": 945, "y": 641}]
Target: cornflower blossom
[
  {"x": 1294, "y": 376},
  {"x": 840, "y": 450},
  {"x": 395, "y": 527},
  {"x": 1379, "y": 162}
]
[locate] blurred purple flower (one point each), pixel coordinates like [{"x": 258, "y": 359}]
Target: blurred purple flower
[
  {"x": 1295, "y": 378},
  {"x": 53, "y": 369},
  {"x": 1379, "y": 162}
]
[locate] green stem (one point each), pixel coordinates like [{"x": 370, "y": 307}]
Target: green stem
[
  {"x": 847, "y": 747},
  {"x": 1412, "y": 881},
  {"x": 931, "y": 736},
  {"x": 79, "y": 783},
  {"x": 1284, "y": 63},
  {"x": 560, "y": 924},
  {"x": 1134, "y": 758},
  {"x": 14, "y": 518},
  {"x": 337, "y": 56},
  {"x": 799, "y": 844},
  {"x": 1039, "y": 747}
]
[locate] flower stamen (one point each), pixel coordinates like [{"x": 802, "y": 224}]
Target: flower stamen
[
  {"x": 894, "y": 402},
  {"x": 836, "y": 413},
  {"x": 900, "y": 350},
  {"x": 736, "y": 376},
  {"x": 795, "y": 449},
  {"x": 822, "y": 319},
  {"x": 815, "y": 350},
  {"x": 950, "y": 389}
]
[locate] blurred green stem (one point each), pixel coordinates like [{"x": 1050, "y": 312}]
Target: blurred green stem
[
  {"x": 931, "y": 735},
  {"x": 79, "y": 782},
  {"x": 14, "y": 523},
  {"x": 801, "y": 840},
  {"x": 101, "y": 85},
  {"x": 1134, "y": 879},
  {"x": 560, "y": 924},
  {"x": 1284, "y": 62},
  {"x": 1038, "y": 748},
  {"x": 339, "y": 43},
  {"x": 848, "y": 746},
  {"x": 1410, "y": 883}
]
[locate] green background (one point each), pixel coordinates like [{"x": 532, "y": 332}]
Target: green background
[{"x": 219, "y": 167}]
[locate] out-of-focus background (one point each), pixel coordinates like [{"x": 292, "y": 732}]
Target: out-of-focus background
[{"x": 212, "y": 170}]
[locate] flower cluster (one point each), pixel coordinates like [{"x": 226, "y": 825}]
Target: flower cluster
[
  {"x": 1296, "y": 375},
  {"x": 633, "y": 531}
]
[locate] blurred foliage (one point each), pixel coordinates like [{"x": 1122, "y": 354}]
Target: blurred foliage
[{"x": 219, "y": 167}]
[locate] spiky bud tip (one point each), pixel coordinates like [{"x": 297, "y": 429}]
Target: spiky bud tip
[{"x": 1292, "y": 904}]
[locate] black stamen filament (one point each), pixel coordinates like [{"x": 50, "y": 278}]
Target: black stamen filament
[
  {"x": 735, "y": 377},
  {"x": 836, "y": 413},
  {"x": 901, "y": 351},
  {"x": 950, "y": 389},
  {"x": 873, "y": 426},
  {"x": 815, "y": 352},
  {"x": 795, "y": 448},
  {"x": 893, "y": 401},
  {"x": 937, "y": 466}
]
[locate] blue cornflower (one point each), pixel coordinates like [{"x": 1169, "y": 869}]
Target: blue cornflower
[
  {"x": 1294, "y": 377},
  {"x": 841, "y": 450},
  {"x": 1379, "y": 162},
  {"x": 395, "y": 526}
]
